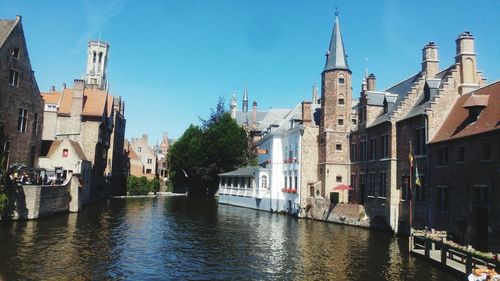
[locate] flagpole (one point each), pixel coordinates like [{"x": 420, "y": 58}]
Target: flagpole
[{"x": 411, "y": 193}]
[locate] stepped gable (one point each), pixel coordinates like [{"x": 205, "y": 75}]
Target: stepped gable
[{"x": 458, "y": 125}]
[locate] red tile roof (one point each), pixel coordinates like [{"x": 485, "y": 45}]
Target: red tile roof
[
  {"x": 458, "y": 125},
  {"x": 51, "y": 98},
  {"x": 95, "y": 101}
]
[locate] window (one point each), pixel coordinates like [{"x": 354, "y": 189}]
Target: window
[
  {"x": 139, "y": 149},
  {"x": 311, "y": 191},
  {"x": 405, "y": 188},
  {"x": 296, "y": 181},
  {"x": 353, "y": 152},
  {"x": 22, "y": 120},
  {"x": 363, "y": 151},
  {"x": 420, "y": 141},
  {"x": 362, "y": 183},
  {"x": 385, "y": 146},
  {"x": 14, "y": 78},
  {"x": 420, "y": 190},
  {"x": 441, "y": 198},
  {"x": 371, "y": 184},
  {"x": 15, "y": 53},
  {"x": 338, "y": 179},
  {"x": 461, "y": 154},
  {"x": 354, "y": 121},
  {"x": 65, "y": 153},
  {"x": 286, "y": 179},
  {"x": 383, "y": 184},
  {"x": 338, "y": 147},
  {"x": 93, "y": 57},
  {"x": 480, "y": 195},
  {"x": 373, "y": 149},
  {"x": 341, "y": 79},
  {"x": 148, "y": 171},
  {"x": 341, "y": 101},
  {"x": 35, "y": 124},
  {"x": 442, "y": 157},
  {"x": 150, "y": 161},
  {"x": 341, "y": 122},
  {"x": 486, "y": 151},
  {"x": 51, "y": 107},
  {"x": 263, "y": 182}
]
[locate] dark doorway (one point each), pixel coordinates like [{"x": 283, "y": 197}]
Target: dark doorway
[{"x": 481, "y": 228}]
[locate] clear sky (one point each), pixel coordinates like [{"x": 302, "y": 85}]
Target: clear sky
[{"x": 171, "y": 60}]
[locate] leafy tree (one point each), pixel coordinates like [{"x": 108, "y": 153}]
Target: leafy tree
[{"x": 197, "y": 158}]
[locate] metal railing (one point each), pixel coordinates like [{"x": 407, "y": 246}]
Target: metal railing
[{"x": 243, "y": 192}]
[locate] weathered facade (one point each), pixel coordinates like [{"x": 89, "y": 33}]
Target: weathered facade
[
  {"x": 464, "y": 165},
  {"x": 21, "y": 107}
]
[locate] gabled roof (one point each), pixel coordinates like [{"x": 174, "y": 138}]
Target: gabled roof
[
  {"x": 94, "y": 102},
  {"x": 6, "y": 27},
  {"x": 49, "y": 147},
  {"x": 242, "y": 172},
  {"x": 458, "y": 124},
  {"x": 400, "y": 90},
  {"x": 336, "y": 58}
]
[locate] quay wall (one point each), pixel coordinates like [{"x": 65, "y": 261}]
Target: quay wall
[{"x": 35, "y": 201}]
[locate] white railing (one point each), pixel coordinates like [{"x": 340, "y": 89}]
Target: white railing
[{"x": 243, "y": 192}]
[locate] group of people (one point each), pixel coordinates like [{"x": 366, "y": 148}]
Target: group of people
[
  {"x": 480, "y": 274},
  {"x": 25, "y": 179}
]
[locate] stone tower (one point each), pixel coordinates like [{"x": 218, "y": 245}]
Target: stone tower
[
  {"x": 97, "y": 61},
  {"x": 336, "y": 99}
]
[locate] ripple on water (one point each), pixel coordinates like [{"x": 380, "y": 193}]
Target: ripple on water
[{"x": 177, "y": 238}]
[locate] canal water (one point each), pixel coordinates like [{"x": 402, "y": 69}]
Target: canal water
[{"x": 180, "y": 238}]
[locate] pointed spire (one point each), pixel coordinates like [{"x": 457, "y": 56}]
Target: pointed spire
[
  {"x": 245, "y": 101},
  {"x": 314, "y": 94},
  {"x": 335, "y": 56}
]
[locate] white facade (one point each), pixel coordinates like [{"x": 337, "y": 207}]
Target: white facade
[{"x": 277, "y": 180}]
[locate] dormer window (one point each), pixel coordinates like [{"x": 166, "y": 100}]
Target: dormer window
[
  {"x": 15, "y": 53},
  {"x": 475, "y": 104}
]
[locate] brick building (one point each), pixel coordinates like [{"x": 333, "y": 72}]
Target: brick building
[
  {"x": 21, "y": 106},
  {"x": 464, "y": 160}
]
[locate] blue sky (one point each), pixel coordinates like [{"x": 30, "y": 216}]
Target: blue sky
[{"x": 171, "y": 60}]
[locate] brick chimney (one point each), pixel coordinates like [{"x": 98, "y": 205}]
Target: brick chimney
[
  {"x": 430, "y": 61},
  {"x": 306, "y": 113},
  {"x": 370, "y": 81},
  {"x": 254, "y": 113}
]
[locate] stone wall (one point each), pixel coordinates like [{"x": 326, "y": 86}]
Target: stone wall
[
  {"x": 35, "y": 201},
  {"x": 350, "y": 214}
]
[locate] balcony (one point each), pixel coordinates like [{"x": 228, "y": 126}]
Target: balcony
[{"x": 243, "y": 192}]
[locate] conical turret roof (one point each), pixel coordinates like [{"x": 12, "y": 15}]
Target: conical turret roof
[{"x": 336, "y": 57}]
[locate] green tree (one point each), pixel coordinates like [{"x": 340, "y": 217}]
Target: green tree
[{"x": 197, "y": 158}]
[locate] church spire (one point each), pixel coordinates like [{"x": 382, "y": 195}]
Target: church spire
[
  {"x": 335, "y": 56},
  {"x": 245, "y": 101}
]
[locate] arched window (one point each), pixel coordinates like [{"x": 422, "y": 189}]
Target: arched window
[
  {"x": 263, "y": 182},
  {"x": 341, "y": 79},
  {"x": 65, "y": 153},
  {"x": 341, "y": 100}
]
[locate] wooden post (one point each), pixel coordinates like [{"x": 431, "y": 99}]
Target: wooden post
[
  {"x": 443, "y": 254},
  {"x": 468, "y": 263},
  {"x": 428, "y": 243}
]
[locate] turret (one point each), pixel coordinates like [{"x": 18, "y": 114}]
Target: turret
[
  {"x": 97, "y": 61},
  {"x": 232, "y": 106},
  {"x": 245, "y": 101}
]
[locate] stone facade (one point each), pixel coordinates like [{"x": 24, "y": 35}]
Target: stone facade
[
  {"x": 146, "y": 155},
  {"x": 20, "y": 104},
  {"x": 116, "y": 166}
]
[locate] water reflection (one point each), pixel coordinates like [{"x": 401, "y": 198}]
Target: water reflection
[{"x": 179, "y": 238}]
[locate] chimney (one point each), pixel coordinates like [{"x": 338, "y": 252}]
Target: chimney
[
  {"x": 466, "y": 62},
  {"x": 430, "y": 61},
  {"x": 52, "y": 88},
  {"x": 64, "y": 86},
  {"x": 145, "y": 137},
  {"x": 122, "y": 109},
  {"x": 306, "y": 113},
  {"x": 254, "y": 113},
  {"x": 370, "y": 81}
]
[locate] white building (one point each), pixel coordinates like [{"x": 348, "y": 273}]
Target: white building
[{"x": 278, "y": 183}]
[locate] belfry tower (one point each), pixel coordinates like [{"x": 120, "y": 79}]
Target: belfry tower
[
  {"x": 97, "y": 61},
  {"x": 336, "y": 99}
]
